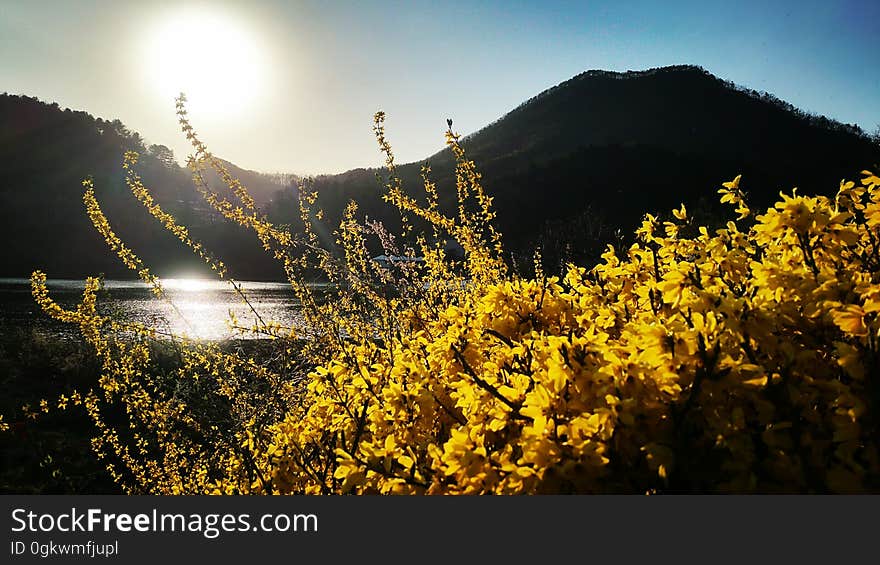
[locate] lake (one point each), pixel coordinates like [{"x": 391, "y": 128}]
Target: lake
[{"x": 202, "y": 306}]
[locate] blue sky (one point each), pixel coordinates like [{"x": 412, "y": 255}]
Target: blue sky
[{"x": 306, "y": 77}]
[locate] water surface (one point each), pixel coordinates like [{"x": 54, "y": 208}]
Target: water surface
[{"x": 195, "y": 307}]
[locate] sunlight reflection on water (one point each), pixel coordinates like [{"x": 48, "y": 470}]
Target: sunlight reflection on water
[{"x": 202, "y": 306}]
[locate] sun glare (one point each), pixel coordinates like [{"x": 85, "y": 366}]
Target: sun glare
[
  {"x": 186, "y": 284},
  {"x": 210, "y": 57}
]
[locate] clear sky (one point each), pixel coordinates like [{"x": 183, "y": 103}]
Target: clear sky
[{"x": 292, "y": 85}]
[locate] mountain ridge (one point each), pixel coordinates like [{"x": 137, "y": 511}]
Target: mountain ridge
[
  {"x": 570, "y": 169},
  {"x": 631, "y": 75},
  {"x": 580, "y": 144}
]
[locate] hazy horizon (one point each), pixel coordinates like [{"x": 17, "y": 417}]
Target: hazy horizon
[{"x": 306, "y": 78}]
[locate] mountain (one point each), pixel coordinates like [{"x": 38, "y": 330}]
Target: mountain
[
  {"x": 46, "y": 152},
  {"x": 588, "y": 157},
  {"x": 570, "y": 170}
]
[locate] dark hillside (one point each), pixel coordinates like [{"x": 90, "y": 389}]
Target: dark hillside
[
  {"x": 602, "y": 148},
  {"x": 571, "y": 170},
  {"x": 46, "y": 152}
]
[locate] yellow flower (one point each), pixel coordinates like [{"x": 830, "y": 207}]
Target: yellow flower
[{"x": 851, "y": 320}]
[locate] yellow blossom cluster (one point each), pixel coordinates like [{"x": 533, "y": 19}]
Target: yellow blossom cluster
[{"x": 739, "y": 361}]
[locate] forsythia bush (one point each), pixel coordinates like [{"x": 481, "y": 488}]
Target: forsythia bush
[{"x": 744, "y": 360}]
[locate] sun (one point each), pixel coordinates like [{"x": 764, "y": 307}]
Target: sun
[{"x": 210, "y": 57}]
